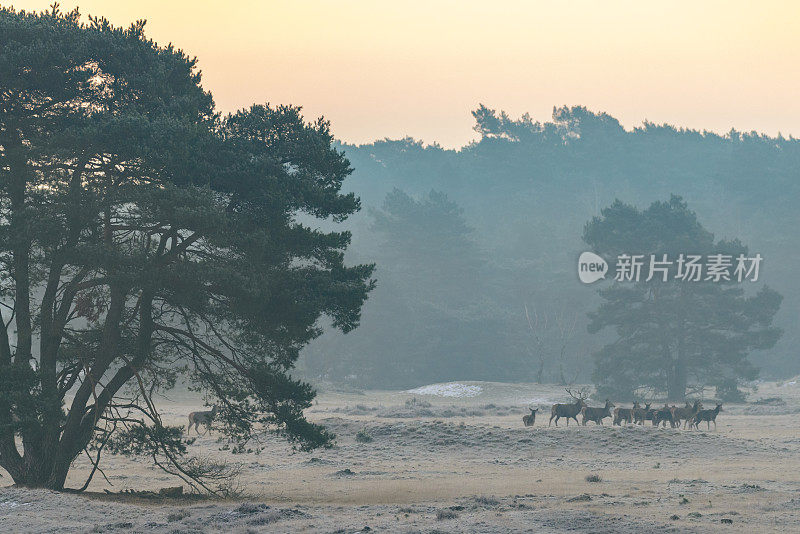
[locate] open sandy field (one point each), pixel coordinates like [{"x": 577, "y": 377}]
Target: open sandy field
[{"x": 442, "y": 463}]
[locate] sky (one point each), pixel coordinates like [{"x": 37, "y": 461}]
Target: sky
[{"x": 417, "y": 68}]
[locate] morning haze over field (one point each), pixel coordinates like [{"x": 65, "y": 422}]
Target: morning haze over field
[{"x": 220, "y": 312}]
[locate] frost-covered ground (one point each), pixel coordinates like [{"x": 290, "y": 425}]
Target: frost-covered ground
[{"x": 443, "y": 463}]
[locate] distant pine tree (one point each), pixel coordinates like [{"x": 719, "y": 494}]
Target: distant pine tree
[{"x": 674, "y": 334}]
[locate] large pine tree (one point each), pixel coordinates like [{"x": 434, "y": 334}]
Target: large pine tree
[{"x": 143, "y": 236}]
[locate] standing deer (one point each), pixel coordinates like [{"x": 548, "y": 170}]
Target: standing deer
[
  {"x": 664, "y": 415},
  {"x": 597, "y": 414},
  {"x": 651, "y": 414},
  {"x": 198, "y": 418},
  {"x": 640, "y": 415},
  {"x": 708, "y": 416},
  {"x": 625, "y": 414},
  {"x": 528, "y": 420},
  {"x": 686, "y": 413},
  {"x": 569, "y": 411}
]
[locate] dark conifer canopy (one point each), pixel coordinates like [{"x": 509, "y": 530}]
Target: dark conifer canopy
[{"x": 143, "y": 239}]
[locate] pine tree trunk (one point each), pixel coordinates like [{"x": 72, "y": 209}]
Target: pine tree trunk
[
  {"x": 50, "y": 473},
  {"x": 45, "y": 463},
  {"x": 676, "y": 386}
]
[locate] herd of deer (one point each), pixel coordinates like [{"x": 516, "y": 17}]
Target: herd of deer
[{"x": 690, "y": 415}]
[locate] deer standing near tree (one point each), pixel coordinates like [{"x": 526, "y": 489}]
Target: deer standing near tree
[{"x": 204, "y": 418}]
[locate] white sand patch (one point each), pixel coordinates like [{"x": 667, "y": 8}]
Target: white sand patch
[{"x": 451, "y": 389}]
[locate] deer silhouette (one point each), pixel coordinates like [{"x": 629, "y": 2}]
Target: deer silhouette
[
  {"x": 708, "y": 416},
  {"x": 597, "y": 414},
  {"x": 204, "y": 418},
  {"x": 569, "y": 411},
  {"x": 528, "y": 420}
]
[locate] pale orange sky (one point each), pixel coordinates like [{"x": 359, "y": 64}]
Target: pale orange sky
[{"x": 410, "y": 67}]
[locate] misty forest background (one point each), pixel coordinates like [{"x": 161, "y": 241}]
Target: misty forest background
[{"x": 476, "y": 249}]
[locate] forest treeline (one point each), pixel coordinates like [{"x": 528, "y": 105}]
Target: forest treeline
[{"x": 476, "y": 248}]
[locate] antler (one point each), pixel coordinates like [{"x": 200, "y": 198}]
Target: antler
[{"x": 581, "y": 394}]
